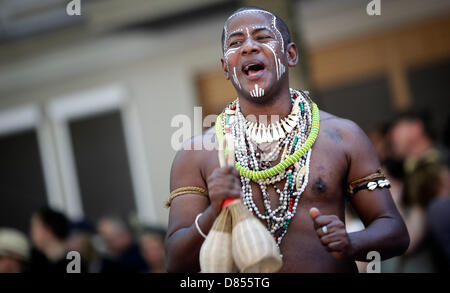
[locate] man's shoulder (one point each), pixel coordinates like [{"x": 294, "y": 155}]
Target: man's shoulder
[
  {"x": 197, "y": 148},
  {"x": 346, "y": 130},
  {"x": 346, "y": 126},
  {"x": 344, "y": 134},
  {"x": 200, "y": 144},
  {"x": 190, "y": 163}
]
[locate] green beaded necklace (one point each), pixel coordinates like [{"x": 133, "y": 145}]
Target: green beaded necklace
[{"x": 286, "y": 163}]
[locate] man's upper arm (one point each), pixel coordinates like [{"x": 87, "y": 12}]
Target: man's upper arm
[
  {"x": 186, "y": 171},
  {"x": 363, "y": 161}
]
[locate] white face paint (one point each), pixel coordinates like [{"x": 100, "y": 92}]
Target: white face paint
[
  {"x": 275, "y": 58},
  {"x": 236, "y": 81},
  {"x": 280, "y": 68},
  {"x": 227, "y": 53},
  {"x": 253, "y": 11},
  {"x": 257, "y": 92}
]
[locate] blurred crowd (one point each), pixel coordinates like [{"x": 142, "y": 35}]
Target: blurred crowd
[
  {"x": 416, "y": 162},
  {"x": 111, "y": 245}
]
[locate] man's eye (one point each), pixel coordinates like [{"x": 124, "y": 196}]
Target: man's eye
[
  {"x": 234, "y": 43},
  {"x": 262, "y": 37}
]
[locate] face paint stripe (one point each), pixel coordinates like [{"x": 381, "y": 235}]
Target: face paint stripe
[
  {"x": 227, "y": 53},
  {"x": 275, "y": 57},
  {"x": 226, "y": 35},
  {"x": 281, "y": 36},
  {"x": 235, "y": 31},
  {"x": 257, "y": 92},
  {"x": 282, "y": 67},
  {"x": 249, "y": 11},
  {"x": 235, "y": 78},
  {"x": 255, "y": 11},
  {"x": 230, "y": 51}
]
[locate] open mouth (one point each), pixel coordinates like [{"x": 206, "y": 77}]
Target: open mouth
[{"x": 253, "y": 68}]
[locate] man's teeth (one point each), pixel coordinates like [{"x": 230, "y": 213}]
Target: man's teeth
[{"x": 248, "y": 66}]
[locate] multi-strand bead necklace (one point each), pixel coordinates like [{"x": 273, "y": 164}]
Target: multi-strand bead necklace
[{"x": 295, "y": 151}]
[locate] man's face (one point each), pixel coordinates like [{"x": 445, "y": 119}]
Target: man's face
[{"x": 254, "y": 58}]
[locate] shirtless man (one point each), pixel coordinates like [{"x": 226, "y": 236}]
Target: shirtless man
[{"x": 341, "y": 154}]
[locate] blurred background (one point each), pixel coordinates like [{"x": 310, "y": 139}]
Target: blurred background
[{"x": 86, "y": 104}]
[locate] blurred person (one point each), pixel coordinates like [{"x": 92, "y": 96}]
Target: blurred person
[
  {"x": 438, "y": 220},
  {"x": 49, "y": 231},
  {"x": 123, "y": 252},
  {"x": 152, "y": 248},
  {"x": 310, "y": 230},
  {"x": 14, "y": 251},
  {"x": 411, "y": 137},
  {"x": 412, "y": 141},
  {"x": 81, "y": 240}
]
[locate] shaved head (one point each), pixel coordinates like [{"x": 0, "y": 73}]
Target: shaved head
[{"x": 279, "y": 24}]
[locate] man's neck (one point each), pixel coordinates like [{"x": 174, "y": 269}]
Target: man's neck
[{"x": 279, "y": 105}]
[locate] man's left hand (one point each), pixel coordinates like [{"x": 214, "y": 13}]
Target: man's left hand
[{"x": 333, "y": 237}]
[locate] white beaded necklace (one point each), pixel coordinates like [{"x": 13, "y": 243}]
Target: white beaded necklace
[{"x": 296, "y": 176}]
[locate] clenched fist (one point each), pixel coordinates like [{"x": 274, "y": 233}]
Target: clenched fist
[
  {"x": 332, "y": 233},
  {"x": 223, "y": 183}
]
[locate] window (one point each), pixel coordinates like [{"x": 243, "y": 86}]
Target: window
[{"x": 102, "y": 165}]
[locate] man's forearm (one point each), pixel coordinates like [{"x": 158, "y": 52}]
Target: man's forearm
[
  {"x": 183, "y": 248},
  {"x": 388, "y": 236}
]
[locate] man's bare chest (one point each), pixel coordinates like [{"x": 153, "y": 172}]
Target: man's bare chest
[{"x": 326, "y": 177}]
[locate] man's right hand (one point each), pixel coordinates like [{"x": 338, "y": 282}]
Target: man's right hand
[{"x": 223, "y": 183}]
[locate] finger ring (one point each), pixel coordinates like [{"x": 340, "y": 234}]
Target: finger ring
[{"x": 324, "y": 229}]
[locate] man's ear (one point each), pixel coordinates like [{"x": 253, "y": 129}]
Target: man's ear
[
  {"x": 292, "y": 54},
  {"x": 225, "y": 68}
]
